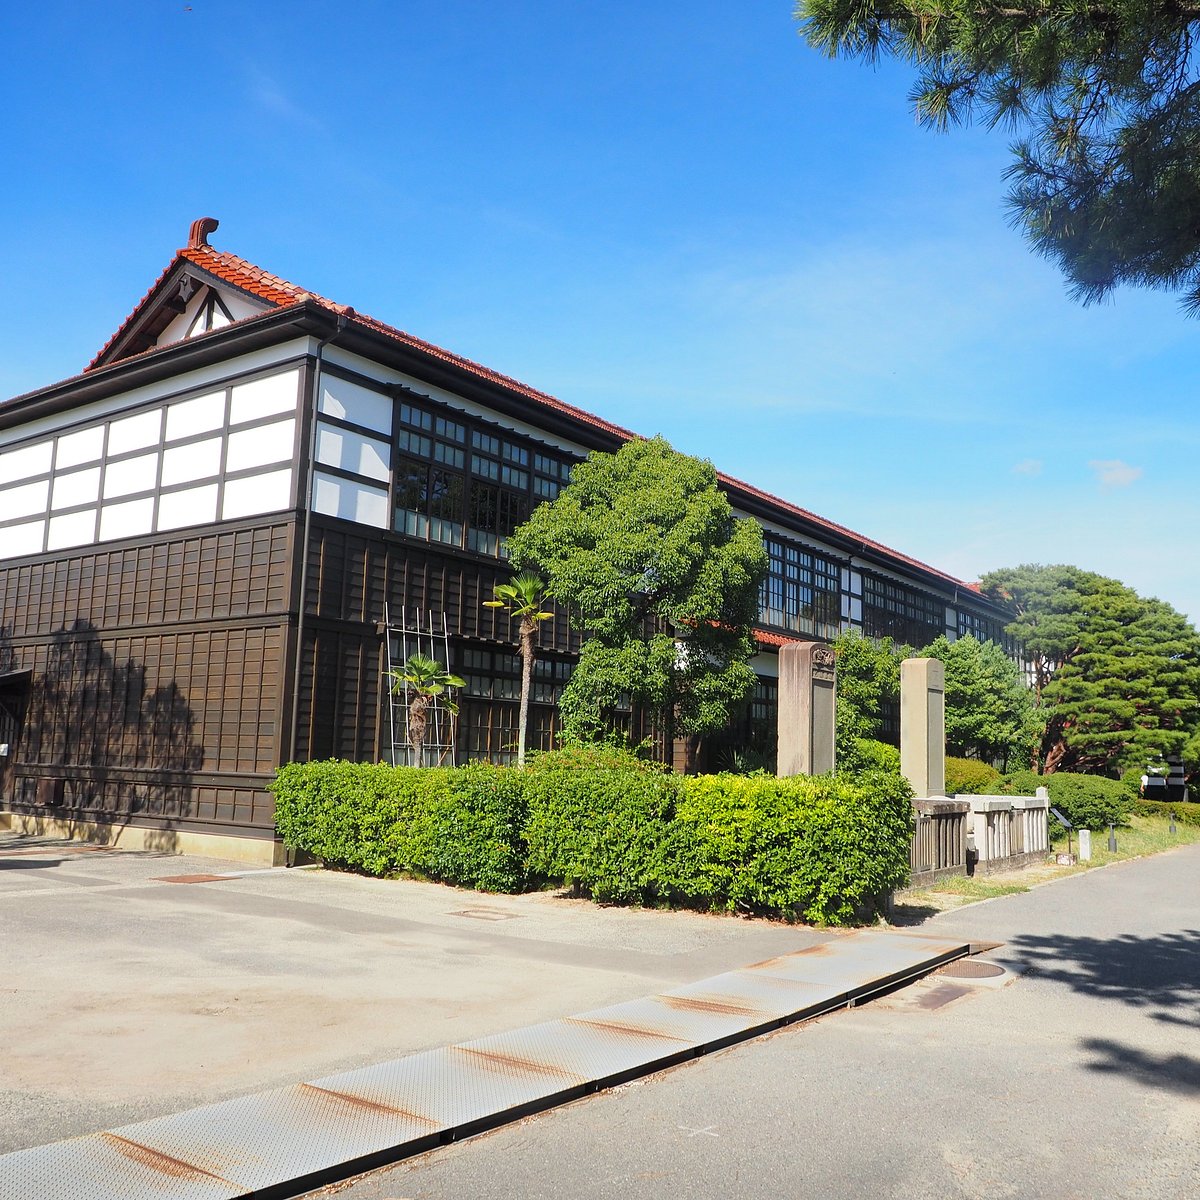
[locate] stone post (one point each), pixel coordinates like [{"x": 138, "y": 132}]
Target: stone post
[
  {"x": 807, "y": 709},
  {"x": 923, "y": 725}
]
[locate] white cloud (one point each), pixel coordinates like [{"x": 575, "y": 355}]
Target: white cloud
[
  {"x": 1028, "y": 466},
  {"x": 1112, "y": 472}
]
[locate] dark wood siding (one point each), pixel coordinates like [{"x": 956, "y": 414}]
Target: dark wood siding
[{"x": 158, "y": 677}]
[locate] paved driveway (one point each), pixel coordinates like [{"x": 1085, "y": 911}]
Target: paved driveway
[{"x": 135, "y": 984}]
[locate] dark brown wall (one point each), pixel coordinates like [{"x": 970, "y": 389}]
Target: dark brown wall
[{"x": 158, "y": 682}]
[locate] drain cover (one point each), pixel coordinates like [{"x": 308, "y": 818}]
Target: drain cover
[{"x": 971, "y": 968}]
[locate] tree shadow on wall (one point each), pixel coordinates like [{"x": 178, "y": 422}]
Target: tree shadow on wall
[
  {"x": 124, "y": 749},
  {"x": 1160, "y": 973}
]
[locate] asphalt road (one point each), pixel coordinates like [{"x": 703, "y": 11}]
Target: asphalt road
[{"x": 1078, "y": 1078}]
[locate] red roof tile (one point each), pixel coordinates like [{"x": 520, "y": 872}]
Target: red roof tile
[{"x": 239, "y": 273}]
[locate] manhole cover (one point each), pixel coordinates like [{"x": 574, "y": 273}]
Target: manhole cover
[{"x": 971, "y": 968}]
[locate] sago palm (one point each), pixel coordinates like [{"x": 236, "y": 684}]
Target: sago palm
[{"x": 425, "y": 678}]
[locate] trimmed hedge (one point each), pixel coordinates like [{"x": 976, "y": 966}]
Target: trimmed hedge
[
  {"x": 970, "y": 777},
  {"x": 1186, "y": 812},
  {"x": 826, "y": 848},
  {"x": 1088, "y": 801}
]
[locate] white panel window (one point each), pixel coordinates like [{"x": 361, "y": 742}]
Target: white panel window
[
  {"x": 132, "y": 475},
  {"x": 350, "y": 501},
  {"x": 76, "y": 487},
  {"x": 360, "y": 405},
  {"x": 22, "y": 539},
  {"x": 134, "y": 433},
  {"x": 197, "y": 460},
  {"x": 264, "y": 397},
  {"x": 257, "y": 494},
  {"x": 21, "y": 464},
  {"x": 190, "y": 417},
  {"x": 353, "y": 452},
  {"x": 26, "y": 500},
  {"x": 83, "y": 447},
  {"x": 260, "y": 446},
  {"x": 131, "y": 519},
  {"x": 196, "y": 506},
  {"x": 74, "y": 529}
]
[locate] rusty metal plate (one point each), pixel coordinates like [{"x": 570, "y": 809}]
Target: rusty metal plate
[
  {"x": 766, "y": 994},
  {"x": 104, "y": 1167}
]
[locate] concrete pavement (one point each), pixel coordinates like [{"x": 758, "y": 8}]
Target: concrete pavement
[{"x": 1079, "y": 1079}]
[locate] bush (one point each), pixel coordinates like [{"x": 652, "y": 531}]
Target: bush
[
  {"x": 969, "y": 777},
  {"x": 603, "y": 829},
  {"x": 870, "y": 755},
  {"x": 463, "y": 826},
  {"x": 1087, "y": 801},
  {"x": 1186, "y": 812},
  {"x": 826, "y": 848}
]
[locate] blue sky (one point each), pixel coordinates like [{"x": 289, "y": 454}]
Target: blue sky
[{"x": 675, "y": 215}]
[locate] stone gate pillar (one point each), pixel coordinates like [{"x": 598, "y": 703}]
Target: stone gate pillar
[
  {"x": 923, "y": 725},
  {"x": 807, "y": 709}
]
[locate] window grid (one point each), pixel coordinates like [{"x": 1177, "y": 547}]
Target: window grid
[{"x": 802, "y": 589}]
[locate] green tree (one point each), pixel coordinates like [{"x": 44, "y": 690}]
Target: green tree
[
  {"x": 1116, "y": 677},
  {"x": 868, "y": 678},
  {"x": 989, "y": 707},
  {"x": 662, "y": 579},
  {"x": 422, "y": 679},
  {"x": 524, "y": 600},
  {"x": 1105, "y": 96}
]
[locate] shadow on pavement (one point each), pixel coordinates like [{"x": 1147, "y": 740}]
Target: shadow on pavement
[
  {"x": 1171, "y": 1072},
  {"x": 1159, "y": 972}
]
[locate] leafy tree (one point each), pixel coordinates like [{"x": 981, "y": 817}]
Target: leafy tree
[
  {"x": 524, "y": 599},
  {"x": 1116, "y": 677},
  {"x": 989, "y": 707},
  {"x": 1106, "y": 96},
  {"x": 868, "y": 677},
  {"x": 662, "y": 579},
  {"x": 424, "y": 678}
]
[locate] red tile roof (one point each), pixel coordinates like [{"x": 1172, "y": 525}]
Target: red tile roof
[{"x": 240, "y": 273}]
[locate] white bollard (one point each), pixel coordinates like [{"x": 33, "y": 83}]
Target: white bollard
[{"x": 1085, "y": 845}]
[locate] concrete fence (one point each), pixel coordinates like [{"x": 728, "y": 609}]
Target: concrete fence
[{"x": 996, "y": 833}]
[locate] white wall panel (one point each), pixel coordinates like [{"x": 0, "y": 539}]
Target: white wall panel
[
  {"x": 360, "y": 405},
  {"x": 131, "y": 519},
  {"x": 24, "y": 500},
  {"x": 258, "y": 494},
  {"x": 76, "y": 487},
  {"x": 74, "y": 529},
  {"x": 263, "y": 397},
  {"x": 200, "y": 415},
  {"x": 353, "y": 452},
  {"x": 196, "y": 506},
  {"x": 135, "y": 433},
  {"x": 22, "y": 539},
  {"x": 350, "y": 501},
  {"x": 75, "y": 449},
  {"x": 132, "y": 475},
  {"x": 20, "y": 464},
  {"x": 197, "y": 460},
  {"x": 261, "y": 445}
]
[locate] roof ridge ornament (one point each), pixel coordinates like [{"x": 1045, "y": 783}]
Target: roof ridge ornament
[{"x": 201, "y": 228}]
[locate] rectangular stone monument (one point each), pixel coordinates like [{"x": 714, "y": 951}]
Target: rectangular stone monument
[
  {"x": 807, "y": 709},
  {"x": 923, "y": 725}
]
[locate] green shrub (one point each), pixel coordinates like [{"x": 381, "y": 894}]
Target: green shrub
[
  {"x": 604, "y": 830},
  {"x": 1087, "y": 801},
  {"x": 1186, "y": 812},
  {"x": 1131, "y": 779},
  {"x": 578, "y": 756},
  {"x": 462, "y": 826},
  {"x": 871, "y": 755},
  {"x": 826, "y": 848},
  {"x": 969, "y": 777}
]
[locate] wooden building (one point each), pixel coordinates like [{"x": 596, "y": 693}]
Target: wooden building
[{"x": 200, "y": 536}]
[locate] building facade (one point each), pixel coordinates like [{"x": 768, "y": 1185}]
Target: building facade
[{"x": 205, "y": 536}]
